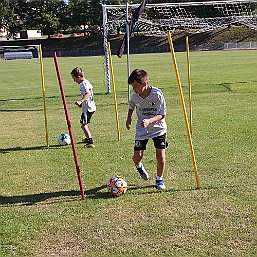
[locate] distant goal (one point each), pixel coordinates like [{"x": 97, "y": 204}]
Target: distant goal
[
  {"x": 189, "y": 17},
  {"x": 193, "y": 17}
]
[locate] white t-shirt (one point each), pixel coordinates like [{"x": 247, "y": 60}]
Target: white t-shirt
[
  {"x": 147, "y": 108},
  {"x": 89, "y": 104}
]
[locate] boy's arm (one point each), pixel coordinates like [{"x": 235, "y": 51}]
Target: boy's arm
[
  {"x": 86, "y": 96},
  {"x": 129, "y": 118},
  {"x": 145, "y": 123}
]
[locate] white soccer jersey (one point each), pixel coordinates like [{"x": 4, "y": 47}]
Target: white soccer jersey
[
  {"x": 147, "y": 108},
  {"x": 89, "y": 104}
]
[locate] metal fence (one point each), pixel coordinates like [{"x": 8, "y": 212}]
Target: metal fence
[{"x": 158, "y": 49}]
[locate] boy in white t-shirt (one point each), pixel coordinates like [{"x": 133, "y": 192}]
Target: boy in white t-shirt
[
  {"x": 151, "y": 110},
  {"x": 86, "y": 102}
]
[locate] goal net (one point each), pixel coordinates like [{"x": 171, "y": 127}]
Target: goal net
[
  {"x": 194, "y": 17},
  {"x": 191, "y": 17}
]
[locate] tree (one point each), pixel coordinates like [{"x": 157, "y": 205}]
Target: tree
[
  {"x": 9, "y": 17},
  {"x": 4, "y": 10},
  {"x": 95, "y": 13},
  {"x": 64, "y": 14},
  {"x": 41, "y": 15},
  {"x": 80, "y": 13}
]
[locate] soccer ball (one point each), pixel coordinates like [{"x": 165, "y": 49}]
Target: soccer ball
[
  {"x": 117, "y": 186},
  {"x": 64, "y": 139}
]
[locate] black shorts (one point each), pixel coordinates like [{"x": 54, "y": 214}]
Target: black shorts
[
  {"x": 86, "y": 117},
  {"x": 159, "y": 143}
]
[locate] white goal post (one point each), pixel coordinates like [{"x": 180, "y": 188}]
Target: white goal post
[{"x": 192, "y": 17}]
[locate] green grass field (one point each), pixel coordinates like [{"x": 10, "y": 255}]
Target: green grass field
[{"x": 41, "y": 211}]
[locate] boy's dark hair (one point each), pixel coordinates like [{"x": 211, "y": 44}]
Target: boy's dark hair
[
  {"x": 77, "y": 72},
  {"x": 137, "y": 75}
]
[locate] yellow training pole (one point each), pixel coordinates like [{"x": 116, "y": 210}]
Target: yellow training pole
[
  {"x": 184, "y": 109},
  {"x": 189, "y": 88},
  {"x": 43, "y": 91},
  {"x": 114, "y": 92}
]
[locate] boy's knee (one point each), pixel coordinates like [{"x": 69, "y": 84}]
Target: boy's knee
[
  {"x": 137, "y": 157},
  {"x": 160, "y": 155}
]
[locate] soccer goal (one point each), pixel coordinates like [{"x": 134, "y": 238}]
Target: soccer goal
[
  {"x": 190, "y": 17},
  {"x": 28, "y": 52}
]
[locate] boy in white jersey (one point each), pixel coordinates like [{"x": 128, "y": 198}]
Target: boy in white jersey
[
  {"x": 151, "y": 110},
  {"x": 86, "y": 103}
]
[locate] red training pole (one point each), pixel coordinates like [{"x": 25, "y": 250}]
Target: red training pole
[{"x": 69, "y": 126}]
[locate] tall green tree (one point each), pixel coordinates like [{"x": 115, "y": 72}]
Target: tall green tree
[
  {"x": 9, "y": 16},
  {"x": 80, "y": 13},
  {"x": 95, "y": 13},
  {"x": 4, "y": 10},
  {"x": 41, "y": 14},
  {"x": 64, "y": 14}
]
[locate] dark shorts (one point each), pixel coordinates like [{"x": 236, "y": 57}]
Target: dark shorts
[
  {"x": 159, "y": 143},
  {"x": 86, "y": 117}
]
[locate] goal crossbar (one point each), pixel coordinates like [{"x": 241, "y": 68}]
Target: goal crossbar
[{"x": 180, "y": 4}]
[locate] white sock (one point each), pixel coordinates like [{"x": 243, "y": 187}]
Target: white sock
[
  {"x": 139, "y": 165},
  {"x": 158, "y": 178}
]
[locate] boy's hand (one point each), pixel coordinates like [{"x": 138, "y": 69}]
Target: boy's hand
[
  {"x": 128, "y": 124},
  {"x": 79, "y": 103},
  {"x": 145, "y": 123}
]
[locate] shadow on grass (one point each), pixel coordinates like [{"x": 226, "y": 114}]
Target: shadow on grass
[
  {"x": 35, "y": 198},
  {"x": 41, "y": 97},
  {"x": 65, "y": 196},
  {"x": 22, "y": 110},
  {"x": 19, "y": 148},
  {"x": 42, "y": 198},
  {"x": 94, "y": 193}
]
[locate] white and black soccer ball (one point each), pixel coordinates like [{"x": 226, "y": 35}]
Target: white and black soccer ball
[
  {"x": 117, "y": 186},
  {"x": 64, "y": 139}
]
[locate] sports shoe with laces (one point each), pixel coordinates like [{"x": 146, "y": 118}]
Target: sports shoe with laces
[
  {"x": 87, "y": 145},
  {"x": 143, "y": 173},
  {"x": 160, "y": 184}
]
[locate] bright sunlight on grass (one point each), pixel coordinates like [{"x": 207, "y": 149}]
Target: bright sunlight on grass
[{"x": 41, "y": 211}]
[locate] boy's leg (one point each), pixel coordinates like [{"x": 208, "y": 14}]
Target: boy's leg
[
  {"x": 86, "y": 130},
  {"x": 160, "y": 145},
  {"x": 161, "y": 161},
  {"x": 85, "y": 120},
  {"x": 137, "y": 157},
  {"x": 88, "y": 140}
]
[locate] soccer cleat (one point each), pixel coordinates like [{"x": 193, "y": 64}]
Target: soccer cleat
[
  {"x": 160, "y": 184},
  {"x": 143, "y": 173},
  {"x": 89, "y": 145}
]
